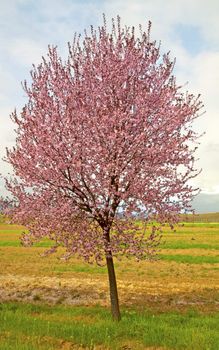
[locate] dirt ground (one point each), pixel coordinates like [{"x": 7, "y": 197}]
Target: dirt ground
[{"x": 161, "y": 286}]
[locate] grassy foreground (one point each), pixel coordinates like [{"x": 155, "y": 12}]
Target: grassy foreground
[
  {"x": 30, "y": 327},
  {"x": 168, "y": 304}
]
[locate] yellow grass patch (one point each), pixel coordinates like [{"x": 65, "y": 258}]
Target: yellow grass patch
[{"x": 25, "y": 275}]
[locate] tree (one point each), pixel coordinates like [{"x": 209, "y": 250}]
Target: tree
[{"x": 105, "y": 137}]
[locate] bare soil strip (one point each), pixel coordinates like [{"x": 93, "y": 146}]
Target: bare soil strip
[{"x": 83, "y": 290}]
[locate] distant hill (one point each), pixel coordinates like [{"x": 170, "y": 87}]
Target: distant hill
[
  {"x": 206, "y": 217},
  {"x": 206, "y": 203}
]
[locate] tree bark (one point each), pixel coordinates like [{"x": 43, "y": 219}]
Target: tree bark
[{"x": 112, "y": 280}]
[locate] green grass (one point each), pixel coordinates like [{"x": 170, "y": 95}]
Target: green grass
[
  {"x": 189, "y": 259},
  {"x": 188, "y": 245},
  {"x": 165, "y": 245},
  {"x": 32, "y": 324},
  {"x": 17, "y": 243},
  {"x": 10, "y": 243},
  {"x": 81, "y": 268},
  {"x": 201, "y": 224}
]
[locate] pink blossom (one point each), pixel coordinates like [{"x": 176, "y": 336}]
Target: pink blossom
[{"x": 104, "y": 136}]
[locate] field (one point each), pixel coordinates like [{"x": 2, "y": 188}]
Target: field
[{"x": 171, "y": 303}]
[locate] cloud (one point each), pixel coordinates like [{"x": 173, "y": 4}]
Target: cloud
[
  {"x": 189, "y": 29},
  {"x": 26, "y": 51},
  {"x": 204, "y": 77}
]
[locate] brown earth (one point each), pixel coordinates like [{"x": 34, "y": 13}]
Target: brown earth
[{"x": 81, "y": 289}]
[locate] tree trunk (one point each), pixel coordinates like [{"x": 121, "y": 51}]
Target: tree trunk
[{"x": 112, "y": 280}]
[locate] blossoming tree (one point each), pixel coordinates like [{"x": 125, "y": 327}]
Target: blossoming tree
[{"x": 104, "y": 138}]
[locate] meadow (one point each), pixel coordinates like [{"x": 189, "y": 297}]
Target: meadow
[{"x": 170, "y": 303}]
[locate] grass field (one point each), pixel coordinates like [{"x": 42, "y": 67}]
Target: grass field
[{"x": 171, "y": 303}]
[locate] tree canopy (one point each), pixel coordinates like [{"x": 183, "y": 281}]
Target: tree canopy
[
  {"x": 104, "y": 137},
  {"x": 107, "y": 132}
]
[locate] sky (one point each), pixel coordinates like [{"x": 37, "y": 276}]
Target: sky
[{"x": 189, "y": 29}]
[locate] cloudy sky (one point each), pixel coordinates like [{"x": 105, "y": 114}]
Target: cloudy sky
[{"x": 187, "y": 28}]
